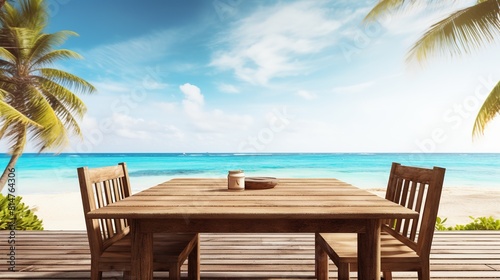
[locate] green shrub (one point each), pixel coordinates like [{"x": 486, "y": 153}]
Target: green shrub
[
  {"x": 14, "y": 214},
  {"x": 440, "y": 224},
  {"x": 481, "y": 223}
]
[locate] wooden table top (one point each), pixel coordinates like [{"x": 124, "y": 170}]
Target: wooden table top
[{"x": 206, "y": 198}]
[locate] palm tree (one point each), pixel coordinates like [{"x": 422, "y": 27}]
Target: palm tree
[
  {"x": 42, "y": 106},
  {"x": 460, "y": 33}
]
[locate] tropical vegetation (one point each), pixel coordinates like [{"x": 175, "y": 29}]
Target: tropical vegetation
[
  {"x": 38, "y": 103},
  {"x": 15, "y": 215},
  {"x": 481, "y": 223},
  {"x": 462, "y": 32}
]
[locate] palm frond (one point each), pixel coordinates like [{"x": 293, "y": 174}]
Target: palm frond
[
  {"x": 50, "y": 138},
  {"x": 383, "y": 7},
  {"x": 6, "y": 123},
  {"x": 66, "y": 79},
  {"x": 22, "y": 41},
  {"x": 45, "y": 43},
  {"x": 15, "y": 135},
  {"x": 6, "y": 55},
  {"x": 19, "y": 141},
  {"x": 9, "y": 15},
  {"x": 460, "y": 33},
  {"x": 52, "y": 133},
  {"x": 66, "y": 116},
  {"x": 10, "y": 115},
  {"x": 29, "y": 14},
  {"x": 55, "y": 55},
  {"x": 4, "y": 86},
  {"x": 70, "y": 100},
  {"x": 7, "y": 37},
  {"x": 488, "y": 111},
  {"x": 8, "y": 112}
]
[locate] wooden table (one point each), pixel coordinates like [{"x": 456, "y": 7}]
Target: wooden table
[{"x": 294, "y": 205}]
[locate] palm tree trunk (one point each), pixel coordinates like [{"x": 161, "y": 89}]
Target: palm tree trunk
[
  {"x": 10, "y": 165},
  {"x": 17, "y": 151}
]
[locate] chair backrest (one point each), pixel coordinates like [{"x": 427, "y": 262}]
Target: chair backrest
[
  {"x": 100, "y": 187},
  {"x": 420, "y": 190}
]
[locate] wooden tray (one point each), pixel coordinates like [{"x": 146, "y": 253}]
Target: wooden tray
[{"x": 259, "y": 183}]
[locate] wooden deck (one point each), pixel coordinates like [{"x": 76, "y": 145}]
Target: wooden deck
[{"x": 65, "y": 255}]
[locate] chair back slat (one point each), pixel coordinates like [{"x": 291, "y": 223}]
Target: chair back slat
[
  {"x": 418, "y": 189},
  {"x": 108, "y": 199},
  {"x": 400, "y": 198},
  {"x": 100, "y": 187},
  {"x": 119, "y": 194},
  {"x": 407, "y": 223},
  {"x": 421, "y": 189}
]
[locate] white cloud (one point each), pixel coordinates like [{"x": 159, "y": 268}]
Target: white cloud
[
  {"x": 129, "y": 127},
  {"x": 110, "y": 86},
  {"x": 358, "y": 87},
  {"x": 119, "y": 128},
  {"x": 192, "y": 94},
  {"x": 167, "y": 107},
  {"x": 306, "y": 94},
  {"x": 193, "y": 100},
  {"x": 353, "y": 88},
  {"x": 209, "y": 121},
  {"x": 227, "y": 88},
  {"x": 274, "y": 41}
]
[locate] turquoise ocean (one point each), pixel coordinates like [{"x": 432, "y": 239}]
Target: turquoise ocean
[{"x": 53, "y": 174}]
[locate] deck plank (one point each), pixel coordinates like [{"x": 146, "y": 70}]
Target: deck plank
[{"x": 65, "y": 255}]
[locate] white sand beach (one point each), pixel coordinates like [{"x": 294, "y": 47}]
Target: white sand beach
[
  {"x": 64, "y": 211},
  {"x": 458, "y": 203}
]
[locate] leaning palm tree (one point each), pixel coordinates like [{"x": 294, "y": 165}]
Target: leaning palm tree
[
  {"x": 460, "y": 33},
  {"x": 43, "y": 108}
]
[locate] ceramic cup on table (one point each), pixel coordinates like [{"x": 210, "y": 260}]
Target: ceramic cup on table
[{"x": 236, "y": 180}]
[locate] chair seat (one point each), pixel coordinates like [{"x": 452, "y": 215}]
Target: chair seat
[
  {"x": 392, "y": 251},
  {"x": 168, "y": 250}
]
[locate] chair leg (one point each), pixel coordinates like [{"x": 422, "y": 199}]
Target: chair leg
[
  {"x": 174, "y": 273},
  {"x": 344, "y": 271},
  {"x": 95, "y": 274},
  {"x": 387, "y": 275},
  {"x": 194, "y": 262},
  {"x": 321, "y": 261},
  {"x": 424, "y": 274}
]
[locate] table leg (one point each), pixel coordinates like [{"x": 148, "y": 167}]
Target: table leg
[
  {"x": 369, "y": 252},
  {"x": 142, "y": 253}
]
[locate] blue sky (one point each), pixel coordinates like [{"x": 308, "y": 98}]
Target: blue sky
[{"x": 269, "y": 76}]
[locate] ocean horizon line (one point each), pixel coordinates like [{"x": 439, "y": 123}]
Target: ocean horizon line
[{"x": 256, "y": 153}]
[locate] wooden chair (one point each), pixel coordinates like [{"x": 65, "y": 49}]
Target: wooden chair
[
  {"x": 405, "y": 243},
  {"x": 109, "y": 239}
]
